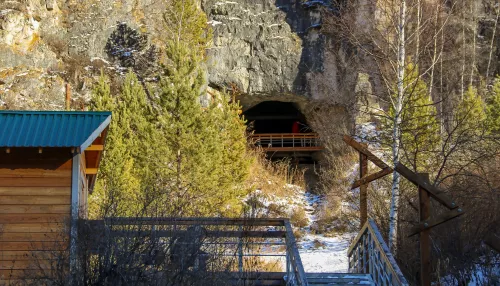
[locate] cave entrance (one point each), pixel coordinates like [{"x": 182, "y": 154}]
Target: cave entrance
[
  {"x": 282, "y": 131},
  {"x": 275, "y": 117}
]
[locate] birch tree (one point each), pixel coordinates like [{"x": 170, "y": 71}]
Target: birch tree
[
  {"x": 396, "y": 129},
  {"x": 385, "y": 33}
]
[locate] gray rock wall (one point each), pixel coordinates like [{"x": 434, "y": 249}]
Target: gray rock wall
[{"x": 273, "y": 50}]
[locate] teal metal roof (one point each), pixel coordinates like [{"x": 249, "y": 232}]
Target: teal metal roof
[{"x": 51, "y": 128}]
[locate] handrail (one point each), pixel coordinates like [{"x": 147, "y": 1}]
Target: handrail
[
  {"x": 233, "y": 235},
  {"x": 286, "y": 135},
  {"x": 287, "y": 141},
  {"x": 295, "y": 270},
  {"x": 369, "y": 253}
]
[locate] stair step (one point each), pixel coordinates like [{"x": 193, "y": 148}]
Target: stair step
[{"x": 318, "y": 279}]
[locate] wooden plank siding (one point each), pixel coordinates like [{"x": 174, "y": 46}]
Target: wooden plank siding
[{"x": 35, "y": 205}]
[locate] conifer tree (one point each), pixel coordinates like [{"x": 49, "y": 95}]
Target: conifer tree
[
  {"x": 124, "y": 167},
  {"x": 207, "y": 157},
  {"x": 168, "y": 155},
  {"x": 470, "y": 115},
  {"x": 185, "y": 23},
  {"x": 419, "y": 125},
  {"x": 493, "y": 109},
  {"x": 234, "y": 161},
  {"x": 206, "y": 143}
]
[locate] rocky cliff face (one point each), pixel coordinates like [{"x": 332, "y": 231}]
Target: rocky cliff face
[
  {"x": 270, "y": 49},
  {"x": 273, "y": 50},
  {"x": 45, "y": 44}
]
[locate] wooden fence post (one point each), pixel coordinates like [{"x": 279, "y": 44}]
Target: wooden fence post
[
  {"x": 363, "y": 190},
  {"x": 425, "y": 239}
]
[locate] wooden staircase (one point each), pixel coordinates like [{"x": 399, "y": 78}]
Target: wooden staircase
[
  {"x": 313, "y": 279},
  {"x": 323, "y": 279}
]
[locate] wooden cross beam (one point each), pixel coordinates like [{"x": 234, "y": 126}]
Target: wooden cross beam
[
  {"x": 370, "y": 178},
  {"x": 432, "y": 222},
  {"x": 362, "y": 149},
  {"x": 426, "y": 191},
  {"x": 364, "y": 179},
  {"x": 434, "y": 192}
]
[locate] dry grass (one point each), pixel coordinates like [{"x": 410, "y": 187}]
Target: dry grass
[
  {"x": 298, "y": 218},
  {"x": 272, "y": 177}
]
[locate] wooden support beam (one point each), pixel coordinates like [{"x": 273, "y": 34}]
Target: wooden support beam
[
  {"x": 434, "y": 192},
  {"x": 430, "y": 223},
  {"x": 425, "y": 238},
  {"x": 95, "y": 148},
  {"x": 363, "y": 190},
  {"x": 370, "y": 178},
  {"x": 493, "y": 241},
  {"x": 91, "y": 171},
  {"x": 360, "y": 148}
]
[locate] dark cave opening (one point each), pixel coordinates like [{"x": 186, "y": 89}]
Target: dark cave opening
[{"x": 276, "y": 117}]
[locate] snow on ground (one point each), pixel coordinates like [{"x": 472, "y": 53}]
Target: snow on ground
[{"x": 319, "y": 253}]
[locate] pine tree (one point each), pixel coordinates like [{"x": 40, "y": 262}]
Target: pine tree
[
  {"x": 493, "y": 109},
  {"x": 124, "y": 168},
  {"x": 469, "y": 116},
  {"x": 186, "y": 23},
  {"x": 419, "y": 125},
  {"x": 234, "y": 161},
  {"x": 193, "y": 134},
  {"x": 167, "y": 155},
  {"x": 207, "y": 162}
]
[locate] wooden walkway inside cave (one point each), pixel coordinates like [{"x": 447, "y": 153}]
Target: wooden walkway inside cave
[{"x": 288, "y": 142}]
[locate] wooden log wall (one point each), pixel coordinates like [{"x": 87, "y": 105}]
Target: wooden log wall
[{"x": 34, "y": 214}]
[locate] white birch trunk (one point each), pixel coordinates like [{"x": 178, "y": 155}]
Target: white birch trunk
[
  {"x": 396, "y": 132},
  {"x": 492, "y": 44},
  {"x": 462, "y": 83},
  {"x": 474, "y": 28}
]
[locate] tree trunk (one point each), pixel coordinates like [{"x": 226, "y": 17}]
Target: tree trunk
[
  {"x": 492, "y": 44},
  {"x": 396, "y": 132},
  {"x": 474, "y": 28}
]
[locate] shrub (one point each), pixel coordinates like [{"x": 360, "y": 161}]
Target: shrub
[{"x": 299, "y": 217}]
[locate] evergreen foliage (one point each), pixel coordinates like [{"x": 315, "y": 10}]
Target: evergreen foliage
[
  {"x": 469, "y": 115},
  {"x": 493, "y": 108},
  {"x": 419, "y": 126},
  {"x": 129, "y": 49},
  {"x": 208, "y": 160},
  {"x": 186, "y": 23},
  {"x": 168, "y": 155},
  {"x": 124, "y": 170}
]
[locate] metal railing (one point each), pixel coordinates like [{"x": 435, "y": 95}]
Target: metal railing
[
  {"x": 204, "y": 241},
  {"x": 369, "y": 254},
  {"x": 288, "y": 141}
]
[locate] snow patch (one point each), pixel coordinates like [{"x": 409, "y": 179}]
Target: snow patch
[
  {"x": 214, "y": 23},
  {"x": 318, "y": 252}
]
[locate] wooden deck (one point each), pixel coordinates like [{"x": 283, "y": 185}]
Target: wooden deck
[{"x": 288, "y": 142}]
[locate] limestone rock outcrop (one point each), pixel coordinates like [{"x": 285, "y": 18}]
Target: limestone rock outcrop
[{"x": 274, "y": 50}]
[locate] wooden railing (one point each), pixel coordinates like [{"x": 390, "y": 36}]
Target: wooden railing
[
  {"x": 369, "y": 254},
  {"x": 218, "y": 238},
  {"x": 288, "y": 141}
]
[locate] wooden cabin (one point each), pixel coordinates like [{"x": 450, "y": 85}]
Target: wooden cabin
[{"x": 48, "y": 164}]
